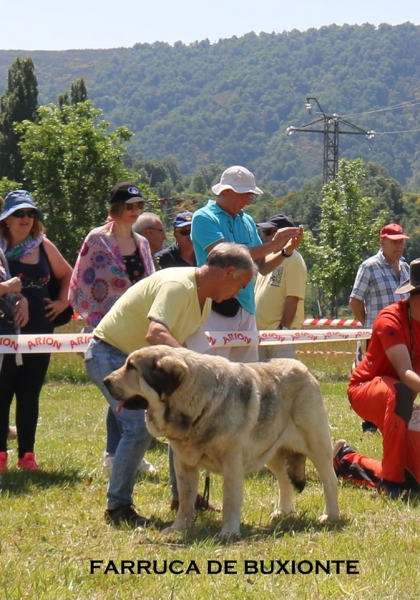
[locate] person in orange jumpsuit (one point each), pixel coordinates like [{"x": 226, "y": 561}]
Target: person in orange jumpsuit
[
  {"x": 362, "y": 470},
  {"x": 383, "y": 387}
]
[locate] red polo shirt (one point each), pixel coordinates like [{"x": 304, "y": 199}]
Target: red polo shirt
[{"x": 390, "y": 328}]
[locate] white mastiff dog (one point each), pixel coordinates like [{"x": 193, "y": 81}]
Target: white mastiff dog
[{"x": 231, "y": 419}]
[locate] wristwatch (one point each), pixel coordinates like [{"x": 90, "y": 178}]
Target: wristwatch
[
  {"x": 283, "y": 253},
  {"x": 283, "y": 327}
]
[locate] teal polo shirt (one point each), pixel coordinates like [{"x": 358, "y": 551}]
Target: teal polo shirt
[{"x": 210, "y": 225}]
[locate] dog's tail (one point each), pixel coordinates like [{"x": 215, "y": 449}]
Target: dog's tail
[{"x": 296, "y": 469}]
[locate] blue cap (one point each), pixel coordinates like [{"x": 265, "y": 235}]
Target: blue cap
[
  {"x": 182, "y": 219},
  {"x": 16, "y": 200}
]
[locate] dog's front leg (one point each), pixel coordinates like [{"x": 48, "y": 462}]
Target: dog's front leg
[
  {"x": 187, "y": 480},
  {"x": 325, "y": 469},
  {"x": 233, "y": 481}
]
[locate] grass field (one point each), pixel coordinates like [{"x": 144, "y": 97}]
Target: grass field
[{"x": 52, "y": 524}]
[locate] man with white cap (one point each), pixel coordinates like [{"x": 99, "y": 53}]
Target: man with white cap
[{"x": 224, "y": 220}]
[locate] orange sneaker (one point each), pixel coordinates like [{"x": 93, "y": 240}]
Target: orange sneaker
[
  {"x": 28, "y": 463},
  {"x": 3, "y": 462}
]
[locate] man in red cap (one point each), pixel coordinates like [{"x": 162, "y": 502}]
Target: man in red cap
[
  {"x": 379, "y": 276},
  {"x": 377, "y": 279}
]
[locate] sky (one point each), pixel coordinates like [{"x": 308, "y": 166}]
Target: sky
[{"x": 75, "y": 24}]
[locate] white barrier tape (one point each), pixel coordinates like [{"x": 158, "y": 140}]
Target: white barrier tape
[
  {"x": 324, "y": 352},
  {"x": 40, "y": 343},
  {"x": 333, "y": 322},
  {"x": 76, "y": 342},
  {"x": 275, "y": 337}
]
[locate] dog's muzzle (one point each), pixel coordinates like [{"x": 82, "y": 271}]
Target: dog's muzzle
[{"x": 136, "y": 402}]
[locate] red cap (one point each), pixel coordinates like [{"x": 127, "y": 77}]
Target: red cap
[{"x": 393, "y": 232}]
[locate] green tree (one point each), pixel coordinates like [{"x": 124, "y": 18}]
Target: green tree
[
  {"x": 304, "y": 206},
  {"x": 78, "y": 93},
  {"x": 387, "y": 192},
  {"x": 347, "y": 232},
  {"x": 198, "y": 184},
  {"x": 172, "y": 169},
  {"x": 73, "y": 161},
  {"x": 63, "y": 99},
  {"x": 411, "y": 225},
  {"x": 6, "y": 186},
  {"x": 156, "y": 172},
  {"x": 18, "y": 103}
]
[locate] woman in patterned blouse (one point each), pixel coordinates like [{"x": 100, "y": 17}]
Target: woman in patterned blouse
[{"x": 112, "y": 258}]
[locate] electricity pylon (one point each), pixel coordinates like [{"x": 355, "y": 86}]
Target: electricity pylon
[{"x": 333, "y": 127}]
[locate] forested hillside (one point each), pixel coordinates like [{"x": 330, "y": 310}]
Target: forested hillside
[{"x": 231, "y": 102}]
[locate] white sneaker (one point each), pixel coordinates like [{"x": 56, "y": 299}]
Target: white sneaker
[
  {"x": 146, "y": 466},
  {"x": 108, "y": 463},
  {"x": 12, "y": 433}
]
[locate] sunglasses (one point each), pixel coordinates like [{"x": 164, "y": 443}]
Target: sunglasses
[
  {"x": 268, "y": 231},
  {"x": 133, "y": 205},
  {"x": 20, "y": 214},
  {"x": 184, "y": 232}
]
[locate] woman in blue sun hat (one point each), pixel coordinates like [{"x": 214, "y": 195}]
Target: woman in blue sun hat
[{"x": 34, "y": 259}]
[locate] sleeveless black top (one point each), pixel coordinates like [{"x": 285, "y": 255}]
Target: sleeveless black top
[{"x": 35, "y": 280}]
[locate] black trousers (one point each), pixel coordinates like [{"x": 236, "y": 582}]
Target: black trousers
[{"x": 25, "y": 383}]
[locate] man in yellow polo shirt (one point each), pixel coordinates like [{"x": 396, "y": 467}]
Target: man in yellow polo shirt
[
  {"x": 280, "y": 295},
  {"x": 164, "y": 308},
  {"x": 172, "y": 307}
]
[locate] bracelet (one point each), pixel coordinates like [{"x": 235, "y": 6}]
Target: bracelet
[
  {"x": 283, "y": 253},
  {"x": 283, "y": 327}
]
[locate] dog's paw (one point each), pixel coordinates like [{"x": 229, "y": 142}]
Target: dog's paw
[
  {"x": 279, "y": 514},
  {"x": 231, "y": 528},
  {"x": 225, "y": 534},
  {"x": 328, "y": 518},
  {"x": 172, "y": 529}
]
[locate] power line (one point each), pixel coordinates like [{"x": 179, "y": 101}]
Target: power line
[
  {"x": 410, "y": 103},
  {"x": 395, "y": 132}
]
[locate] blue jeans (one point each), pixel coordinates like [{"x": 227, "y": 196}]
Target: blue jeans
[
  {"x": 113, "y": 432},
  {"x": 135, "y": 438},
  {"x": 172, "y": 475}
]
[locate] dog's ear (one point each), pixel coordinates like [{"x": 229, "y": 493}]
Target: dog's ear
[{"x": 167, "y": 375}]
